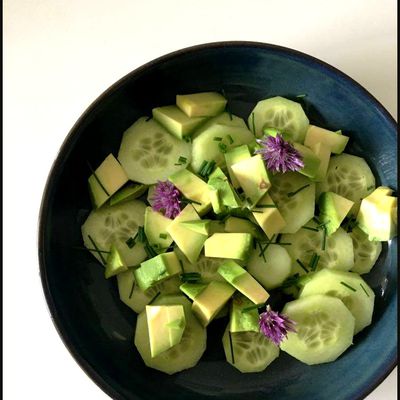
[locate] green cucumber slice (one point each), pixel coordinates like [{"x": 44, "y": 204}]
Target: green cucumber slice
[
  {"x": 324, "y": 329},
  {"x": 366, "y": 252},
  {"x": 182, "y": 356},
  {"x": 282, "y": 114},
  {"x": 294, "y": 195},
  {"x": 338, "y": 253},
  {"x": 351, "y": 177},
  {"x": 148, "y": 153},
  {"x": 137, "y": 299},
  {"x": 214, "y": 142},
  {"x": 272, "y": 268},
  {"x": 115, "y": 225},
  {"x": 252, "y": 351},
  {"x": 349, "y": 287}
]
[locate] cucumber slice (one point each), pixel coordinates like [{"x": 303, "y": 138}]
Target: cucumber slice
[
  {"x": 207, "y": 267},
  {"x": 366, "y": 252},
  {"x": 148, "y": 153},
  {"x": 115, "y": 225},
  {"x": 182, "y": 356},
  {"x": 338, "y": 253},
  {"x": 285, "y": 115},
  {"x": 205, "y": 147},
  {"x": 137, "y": 299},
  {"x": 351, "y": 177},
  {"x": 324, "y": 329},
  {"x": 252, "y": 351},
  {"x": 271, "y": 269},
  {"x": 296, "y": 208},
  {"x": 349, "y": 287}
]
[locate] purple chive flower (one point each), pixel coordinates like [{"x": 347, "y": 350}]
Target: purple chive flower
[
  {"x": 166, "y": 199},
  {"x": 275, "y": 326},
  {"x": 280, "y": 155}
]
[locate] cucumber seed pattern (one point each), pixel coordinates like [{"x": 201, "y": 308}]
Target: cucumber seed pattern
[{"x": 117, "y": 228}]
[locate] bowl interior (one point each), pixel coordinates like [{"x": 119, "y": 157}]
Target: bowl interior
[{"x": 98, "y": 328}]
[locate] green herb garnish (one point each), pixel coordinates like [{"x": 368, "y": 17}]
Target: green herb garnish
[
  {"x": 323, "y": 238},
  {"x": 302, "y": 265},
  {"x": 266, "y": 206},
  {"x": 262, "y": 253},
  {"x": 181, "y": 264},
  {"x": 97, "y": 249},
  {"x": 253, "y": 125},
  {"x": 190, "y": 277},
  {"x": 217, "y": 138},
  {"x": 231, "y": 346},
  {"x": 348, "y": 286},
  {"x": 310, "y": 229},
  {"x": 314, "y": 261},
  {"x": 141, "y": 236},
  {"x": 97, "y": 179},
  {"x": 230, "y": 138},
  {"x": 133, "y": 285},
  {"x": 363, "y": 288},
  {"x": 222, "y": 147},
  {"x": 291, "y": 194},
  {"x": 152, "y": 300},
  {"x": 162, "y": 235},
  {"x": 203, "y": 167},
  {"x": 130, "y": 242},
  {"x": 88, "y": 249}
]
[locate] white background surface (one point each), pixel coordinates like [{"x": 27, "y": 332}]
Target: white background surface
[{"x": 60, "y": 55}]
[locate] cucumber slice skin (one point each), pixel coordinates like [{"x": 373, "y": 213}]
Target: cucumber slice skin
[
  {"x": 116, "y": 224},
  {"x": 272, "y": 272},
  {"x": 357, "y": 296},
  {"x": 252, "y": 351},
  {"x": 149, "y": 153},
  {"x": 296, "y": 209},
  {"x": 182, "y": 356},
  {"x": 349, "y": 176},
  {"x": 366, "y": 252},
  {"x": 324, "y": 329}
]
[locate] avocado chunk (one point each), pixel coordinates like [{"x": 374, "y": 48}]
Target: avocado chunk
[
  {"x": 175, "y": 121},
  {"x": 253, "y": 178},
  {"x": 333, "y": 209},
  {"x": 155, "y": 228},
  {"x": 157, "y": 269},
  {"x": 188, "y": 241},
  {"x": 211, "y": 300},
  {"x": 206, "y": 104},
  {"x": 228, "y": 245},
  {"x": 234, "y": 156},
  {"x": 106, "y": 180},
  {"x": 115, "y": 264},
  {"x": 310, "y": 160},
  {"x": 378, "y": 215},
  {"x": 241, "y": 280},
  {"x": 192, "y": 290},
  {"x": 130, "y": 192},
  {"x": 268, "y": 216},
  {"x": 200, "y": 226},
  {"x": 225, "y": 196},
  {"x": 334, "y": 140},
  {"x": 323, "y": 152},
  {"x": 240, "y": 225},
  {"x": 242, "y": 320},
  {"x": 166, "y": 325},
  {"x": 193, "y": 188}
]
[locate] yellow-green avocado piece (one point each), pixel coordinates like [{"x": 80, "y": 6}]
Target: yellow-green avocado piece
[
  {"x": 242, "y": 320},
  {"x": 166, "y": 324},
  {"x": 157, "y": 269},
  {"x": 228, "y": 245},
  {"x": 239, "y": 278},
  {"x": 378, "y": 215},
  {"x": 209, "y": 302},
  {"x": 310, "y": 160},
  {"x": 115, "y": 264},
  {"x": 335, "y": 141},
  {"x": 155, "y": 228},
  {"x": 234, "y": 156},
  {"x": 106, "y": 180},
  {"x": 205, "y": 104}
]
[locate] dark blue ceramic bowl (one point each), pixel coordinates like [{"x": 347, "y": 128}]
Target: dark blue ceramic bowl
[{"x": 98, "y": 329}]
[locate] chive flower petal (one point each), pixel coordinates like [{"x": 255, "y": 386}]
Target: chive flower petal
[
  {"x": 279, "y": 155},
  {"x": 275, "y": 326},
  {"x": 166, "y": 199}
]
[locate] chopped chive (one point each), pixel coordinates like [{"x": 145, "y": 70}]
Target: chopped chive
[
  {"x": 150, "y": 251},
  {"x": 262, "y": 253},
  {"x": 253, "y": 125},
  {"x": 291, "y": 194},
  {"x": 190, "y": 277},
  {"x": 141, "y": 235},
  {"x": 230, "y": 138},
  {"x": 323, "y": 238},
  {"x": 314, "y": 261},
  {"x": 278, "y": 239},
  {"x": 370, "y": 187},
  {"x": 97, "y": 249},
  {"x": 130, "y": 242},
  {"x": 348, "y": 286},
  {"x": 210, "y": 167},
  {"x": 266, "y": 246},
  {"x": 182, "y": 159},
  {"x": 97, "y": 179},
  {"x": 363, "y": 288},
  {"x": 181, "y": 264},
  {"x": 256, "y": 306},
  {"x": 202, "y": 167},
  {"x": 217, "y": 139},
  {"x": 302, "y": 265},
  {"x": 189, "y": 201},
  {"x": 133, "y": 285},
  {"x": 231, "y": 346},
  {"x": 266, "y": 206},
  {"x": 87, "y": 249},
  {"x": 222, "y": 147},
  {"x": 257, "y": 211},
  {"x": 162, "y": 235},
  {"x": 152, "y": 300},
  {"x": 310, "y": 229},
  {"x": 301, "y": 95}
]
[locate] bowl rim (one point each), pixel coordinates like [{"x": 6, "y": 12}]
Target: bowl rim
[{"x": 84, "y": 364}]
